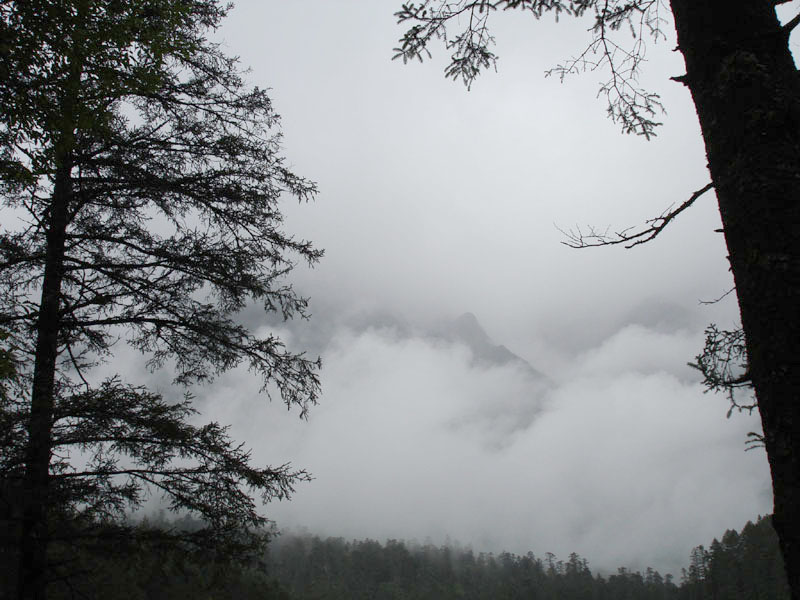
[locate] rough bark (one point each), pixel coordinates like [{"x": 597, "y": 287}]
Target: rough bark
[{"x": 745, "y": 88}]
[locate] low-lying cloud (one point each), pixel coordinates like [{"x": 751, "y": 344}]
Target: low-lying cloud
[
  {"x": 619, "y": 457},
  {"x": 435, "y": 201}
]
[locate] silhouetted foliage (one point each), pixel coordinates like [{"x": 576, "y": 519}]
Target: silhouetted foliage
[
  {"x": 145, "y": 562},
  {"x": 723, "y": 364},
  {"x": 140, "y": 179},
  {"x": 745, "y": 565}
]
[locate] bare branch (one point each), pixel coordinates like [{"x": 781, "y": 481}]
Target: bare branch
[
  {"x": 683, "y": 79},
  {"x": 790, "y": 25},
  {"x": 726, "y": 294},
  {"x": 471, "y": 46},
  {"x": 592, "y": 238}
]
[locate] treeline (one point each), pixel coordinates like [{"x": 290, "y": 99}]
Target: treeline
[
  {"x": 743, "y": 566},
  {"x": 156, "y": 559},
  {"x": 746, "y": 564}
]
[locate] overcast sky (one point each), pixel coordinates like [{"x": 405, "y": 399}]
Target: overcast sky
[{"x": 435, "y": 201}]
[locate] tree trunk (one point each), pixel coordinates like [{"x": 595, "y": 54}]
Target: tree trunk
[
  {"x": 746, "y": 91},
  {"x": 32, "y": 571}
]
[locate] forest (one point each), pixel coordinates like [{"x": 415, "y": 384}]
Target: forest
[{"x": 741, "y": 565}]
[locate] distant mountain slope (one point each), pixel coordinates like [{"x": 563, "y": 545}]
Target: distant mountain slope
[
  {"x": 316, "y": 335},
  {"x": 468, "y": 331}
]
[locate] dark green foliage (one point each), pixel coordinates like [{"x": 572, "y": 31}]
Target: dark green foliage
[
  {"x": 137, "y": 564},
  {"x": 141, "y": 181},
  {"x": 173, "y": 183},
  {"x": 131, "y": 440},
  {"x": 333, "y": 568},
  {"x": 747, "y": 564},
  {"x": 7, "y": 369},
  {"x": 744, "y": 565}
]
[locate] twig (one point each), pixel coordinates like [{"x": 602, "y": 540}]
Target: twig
[
  {"x": 578, "y": 239},
  {"x": 733, "y": 289}
]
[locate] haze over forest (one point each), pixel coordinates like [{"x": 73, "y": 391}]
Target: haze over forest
[{"x": 588, "y": 433}]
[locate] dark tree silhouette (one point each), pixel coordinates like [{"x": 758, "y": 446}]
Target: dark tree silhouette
[
  {"x": 746, "y": 90},
  {"x": 742, "y": 565},
  {"x": 141, "y": 181}
]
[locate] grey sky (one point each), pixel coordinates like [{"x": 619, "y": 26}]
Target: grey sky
[{"x": 436, "y": 201}]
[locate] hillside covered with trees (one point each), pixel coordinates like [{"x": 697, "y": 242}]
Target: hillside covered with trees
[{"x": 744, "y": 564}]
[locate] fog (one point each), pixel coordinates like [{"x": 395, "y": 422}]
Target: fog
[
  {"x": 435, "y": 201},
  {"x": 620, "y": 458}
]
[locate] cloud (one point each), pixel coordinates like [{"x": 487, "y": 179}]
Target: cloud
[
  {"x": 435, "y": 201},
  {"x": 636, "y": 349},
  {"x": 623, "y": 459}
]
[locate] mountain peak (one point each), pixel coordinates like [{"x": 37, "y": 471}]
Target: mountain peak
[
  {"x": 467, "y": 330},
  {"x": 467, "y": 318}
]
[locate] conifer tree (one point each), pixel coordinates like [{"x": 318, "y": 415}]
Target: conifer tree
[{"x": 141, "y": 180}]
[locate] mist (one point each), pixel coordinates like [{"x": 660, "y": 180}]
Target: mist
[
  {"x": 435, "y": 202},
  {"x": 620, "y": 458}
]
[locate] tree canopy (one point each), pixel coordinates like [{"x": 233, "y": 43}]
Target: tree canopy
[
  {"x": 744, "y": 564},
  {"x": 141, "y": 181}
]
